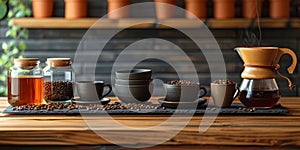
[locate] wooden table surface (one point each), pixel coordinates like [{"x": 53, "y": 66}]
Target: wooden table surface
[{"x": 246, "y": 131}]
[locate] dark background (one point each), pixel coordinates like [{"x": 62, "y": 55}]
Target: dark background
[{"x": 43, "y": 43}]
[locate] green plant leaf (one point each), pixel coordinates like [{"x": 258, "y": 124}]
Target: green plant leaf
[
  {"x": 3, "y": 62},
  {"x": 5, "y": 71},
  {"x": 27, "y": 12},
  {"x": 10, "y": 23},
  {"x": 16, "y": 28},
  {"x": 3, "y": 77},
  {"x": 7, "y": 33},
  {"x": 24, "y": 33},
  {"x": 22, "y": 45},
  {"x": 13, "y": 48},
  {"x": 22, "y": 6},
  {"x": 20, "y": 14},
  {"x": 4, "y": 58},
  {"x": 8, "y": 54},
  {"x": 10, "y": 14},
  {"x": 2, "y": 90},
  {"x": 11, "y": 33},
  {"x": 12, "y": 43},
  {"x": 5, "y": 46},
  {"x": 3, "y": 10},
  {"x": 15, "y": 51},
  {"x": 13, "y": 2}
]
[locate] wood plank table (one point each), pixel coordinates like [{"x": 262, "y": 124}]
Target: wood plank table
[{"x": 227, "y": 131}]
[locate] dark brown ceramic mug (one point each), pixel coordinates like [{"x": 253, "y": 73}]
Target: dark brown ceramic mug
[
  {"x": 185, "y": 93},
  {"x": 223, "y": 94},
  {"x": 92, "y": 90}
]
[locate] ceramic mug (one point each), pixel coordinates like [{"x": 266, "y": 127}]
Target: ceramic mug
[
  {"x": 186, "y": 93},
  {"x": 223, "y": 94},
  {"x": 92, "y": 90}
]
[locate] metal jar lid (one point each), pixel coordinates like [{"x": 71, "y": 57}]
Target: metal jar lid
[{"x": 58, "y": 62}]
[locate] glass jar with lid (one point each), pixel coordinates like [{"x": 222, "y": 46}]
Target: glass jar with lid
[
  {"x": 25, "y": 82},
  {"x": 59, "y": 80}
]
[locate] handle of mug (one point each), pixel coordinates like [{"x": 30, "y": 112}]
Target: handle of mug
[
  {"x": 237, "y": 91},
  {"x": 109, "y": 90},
  {"x": 292, "y": 67},
  {"x": 204, "y": 91}
]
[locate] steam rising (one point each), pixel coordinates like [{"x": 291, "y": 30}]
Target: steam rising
[{"x": 249, "y": 36}]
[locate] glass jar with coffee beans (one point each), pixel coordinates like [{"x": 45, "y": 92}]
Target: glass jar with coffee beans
[{"x": 59, "y": 80}]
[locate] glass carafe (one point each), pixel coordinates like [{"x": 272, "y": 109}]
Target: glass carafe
[{"x": 259, "y": 92}]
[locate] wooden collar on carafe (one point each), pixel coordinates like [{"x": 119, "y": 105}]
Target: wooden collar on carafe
[
  {"x": 23, "y": 62},
  {"x": 273, "y": 67},
  {"x": 58, "y": 62}
]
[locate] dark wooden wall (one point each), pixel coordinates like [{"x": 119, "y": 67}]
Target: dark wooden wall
[{"x": 43, "y": 43}]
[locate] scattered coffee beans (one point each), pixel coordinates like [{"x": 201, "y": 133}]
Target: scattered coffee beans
[
  {"x": 58, "y": 91},
  {"x": 48, "y": 107},
  {"x": 139, "y": 106},
  {"x": 182, "y": 82},
  {"x": 227, "y": 82},
  {"x": 73, "y": 105},
  {"x": 247, "y": 109}
]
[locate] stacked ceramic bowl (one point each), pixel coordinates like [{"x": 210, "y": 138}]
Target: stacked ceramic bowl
[{"x": 133, "y": 86}]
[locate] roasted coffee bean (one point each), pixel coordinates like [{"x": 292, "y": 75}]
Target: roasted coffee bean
[
  {"x": 225, "y": 82},
  {"x": 58, "y": 90},
  {"x": 71, "y": 106},
  {"x": 182, "y": 82}
]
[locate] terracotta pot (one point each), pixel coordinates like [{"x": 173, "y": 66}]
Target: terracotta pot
[
  {"x": 224, "y": 9},
  {"x": 197, "y": 7},
  {"x": 116, "y": 4},
  {"x": 279, "y": 8},
  {"x": 252, "y": 8},
  {"x": 75, "y": 9},
  {"x": 42, "y": 8},
  {"x": 165, "y": 11}
]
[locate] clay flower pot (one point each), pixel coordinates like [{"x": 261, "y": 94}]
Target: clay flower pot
[
  {"x": 279, "y": 8},
  {"x": 75, "y": 9},
  {"x": 165, "y": 11},
  {"x": 252, "y": 8},
  {"x": 224, "y": 9},
  {"x": 196, "y": 7},
  {"x": 116, "y": 4},
  {"x": 42, "y": 8}
]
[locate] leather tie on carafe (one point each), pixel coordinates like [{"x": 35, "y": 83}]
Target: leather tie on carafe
[{"x": 291, "y": 85}]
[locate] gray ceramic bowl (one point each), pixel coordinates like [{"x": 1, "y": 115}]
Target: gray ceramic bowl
[
  {"x": 132, "y": 82},
  {"x": 135, "y": 74},
  {"x": 133, "y": 93}
]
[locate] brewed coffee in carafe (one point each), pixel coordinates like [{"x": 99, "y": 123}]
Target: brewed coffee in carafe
[
  {"x": 259, "y": 92},
  {"x": 259, "y": 87}
]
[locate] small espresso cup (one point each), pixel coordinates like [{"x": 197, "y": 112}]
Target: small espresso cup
[
  {"x": 223, "y": 94},
  {"x": 92, "y": 90},
  {"x": 184, "y": 93}
]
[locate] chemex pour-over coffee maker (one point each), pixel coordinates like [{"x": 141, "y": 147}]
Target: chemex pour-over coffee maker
[{"x": 259, "y": 87}]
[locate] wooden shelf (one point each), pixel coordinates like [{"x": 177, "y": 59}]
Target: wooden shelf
[
  {"x": 145, "y": 23},
  {"x": 78, "y": 23}
]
